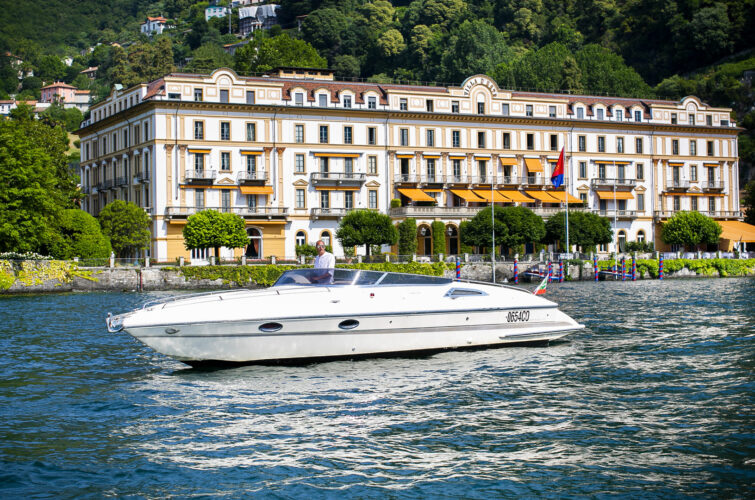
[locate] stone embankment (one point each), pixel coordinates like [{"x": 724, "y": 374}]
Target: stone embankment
[{"x": 57, "y": 276}]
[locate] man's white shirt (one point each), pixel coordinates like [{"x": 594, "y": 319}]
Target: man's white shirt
[{"x": 325, "y": 261}]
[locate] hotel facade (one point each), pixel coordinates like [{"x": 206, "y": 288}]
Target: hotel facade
[{"x": 294, "y": 151}]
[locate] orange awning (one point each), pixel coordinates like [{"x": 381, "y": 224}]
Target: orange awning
[
  {"x": 251, "y": 153},
  {"x": 256, "y": 189},
  {"x": 405, "y": 156},
  {"x": 508, "y": 161},
  {"x": 486, "y": 195},
  {"x": 611, "y": 162},
  {"x": 416, "y": 194},
  {"x": 336, "y": 155},
  {"x": 533, "y": 164},
  {"x": 542, "y": 196},
  {"x": 737, "y": 231},
  {"x": 559, "y": 195},
  {"x": 457, "y": 157},
  {"x": 618, "y": 195},
  {"x": 467, "y": 195},
  {"x": 694, "y": 194},
  {"x": 516, "y": 196},
  {"x": 199, "y": 151}
]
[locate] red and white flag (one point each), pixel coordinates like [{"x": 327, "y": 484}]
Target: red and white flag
[{"x": 540, "y": 290}]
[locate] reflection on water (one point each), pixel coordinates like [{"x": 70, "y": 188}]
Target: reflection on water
[{"x": 654, "y": 398}]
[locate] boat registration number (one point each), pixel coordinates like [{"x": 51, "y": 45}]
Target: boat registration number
[{"x": 517, "y": 316}]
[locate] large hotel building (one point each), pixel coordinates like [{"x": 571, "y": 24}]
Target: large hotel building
[{"x": 292, "y": 152}]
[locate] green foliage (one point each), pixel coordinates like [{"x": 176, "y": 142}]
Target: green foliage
[
  {"x": 523, "y": 226},
  {"x": 640, "y": 246},
  {"x": 475, "y": 47},
  {"x": 586, "y": 229},
  {"x": 212, "y": 229},
  {"x": 395, "y": 203},
  {"x": 439, "y": 237},
  {"x": 263, "y": 54},
  {"x": 478, "y": 231},
  {"x": 69, "y": 118},
  {"x": 749, "y": 202},
  {"x": 127, "y": 226},
  {"x": 407, "y": 236},
  {"x": 36, "y": 182},
  {"x": 144, "y": 62},
  {"x": 366, "y": 227},
  {"x": 690, "y": 229},
  {"x": 79, "y": 236},
  {"x": 310, "y": 250},
  {"x": 208, "y": 58}
]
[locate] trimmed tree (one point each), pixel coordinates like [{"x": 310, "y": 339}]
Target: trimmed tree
[
  {"x": 127, "y": 226},
  {"x": 79, "y": 236},
  {"x": 407, "y": 236},
  {"x": 690, "y": 229},
  {"x": 586, "y": 229},
  {"x": 439, "y": 237},
  {"x": 477, "y": 232},
  {"x": 212, "y": 229},
  {"x": 523, "y": 225},
  {"x": 366, "y": 227}
]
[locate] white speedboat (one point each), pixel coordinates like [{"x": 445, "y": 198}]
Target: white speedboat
[{"x": 310, "y": 314}]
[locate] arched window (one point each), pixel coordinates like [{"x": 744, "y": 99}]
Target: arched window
[
  {"x": 622, "y": 240},
  {"x": 641, "y": 236},
  {"x": 325, "y": 237},
  {"x": 301, "y": 238},
  {"x": 254, "y": 248},
  {"x": 452, "y": 240},
  {"x": 424, "y": 240}
]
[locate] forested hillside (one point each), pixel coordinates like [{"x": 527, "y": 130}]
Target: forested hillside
[{"x": 640, "y": 48}]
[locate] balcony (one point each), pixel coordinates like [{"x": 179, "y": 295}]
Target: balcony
[
  {"x": 252, "y": 178},
  {"x": 511, "y": 180},
  {"x": 712, "y": 185},
  {"x": 719, "y": 214},
  {"x": 534, "y": 181},
  {"x": 677, "y": 184},
  {"x": 412, "y": 211},
  {"x": 344, "y": 179},
  {"x": 84, "y": 190},
  {"x": 619, "y": 214},
  {"x": 329, "y": 213},
  {"x": 95, "y": 189},
  {"x": 407, "y": 179},
  {"x": 107, "y": 184},
  {"x": 200, "y": 176},
  {"x": 249, "y": 213},
  {"x": 121, "y": 180},
  {"x": 141, "y": 176},
  {"x": 607, "y": 183}
]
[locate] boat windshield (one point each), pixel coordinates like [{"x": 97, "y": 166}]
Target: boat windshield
[{"x": 358, "y": 277}]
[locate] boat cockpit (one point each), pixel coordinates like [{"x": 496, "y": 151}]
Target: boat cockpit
[{"x": 354, "y": 277}]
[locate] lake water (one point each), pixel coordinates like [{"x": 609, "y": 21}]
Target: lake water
[{"x": 655, "y": 398}]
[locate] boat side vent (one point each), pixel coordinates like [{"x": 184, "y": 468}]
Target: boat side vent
[
  {"x": 270, "y": 327},
  {"x": 348, "y": 324},
  {"x": 455, "y": 293}
]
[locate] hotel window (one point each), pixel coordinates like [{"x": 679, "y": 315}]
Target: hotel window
[
  {"x": 693, "y": 203},
  {"x": 115, "y": 142},
  {"x": 693, "y": 147},
  {"x": 198, "y": 162},
  {"x": 724, "y": 123},
  {"x": 480, "y": 108},
  {"x": 480, "y": 139},
  {"x": 619, "y": 115},
  {"x": 299, "y": 99},
  {"x": 580, "y": 113},
  {"x": 673, "y": 118},
  {"x": 429, "y": 105},
  {"x": 299, "y": 133},
  {"x": 506, "y": 140},
  {"x": 457, "y": 169},
  {"x": 530, "y": 141},
  {"x": 404, "y": 133},
  {"x": 455, "y": 138},
  {"x": 693, "y": 173},
  {"x": 251, "y": 166},
  {"x": 347, "y": 135},
  {"x": 225, "y": 131},
  {"x": 691, "y": 119},
  {"x": 582, "y": 143},
  {"x": 300, "y": 199},
  {"x": 505, "y": 109},
  {"x": 431, "y": 169},
  {"x": 325, "y": 237},
  {"x": 371, "y": 103},
  {"x": 454, "y": 106},
  {"x": 225, "y": 199},
  {"x": 347, "y": 101},
  {"x": 224, "y": 95},
  {"x": 322, "y": 100},
  {"x": 251, "y": 201},
  {"x": 602, "y": 172},
  {"x": 348, "y": 200},
  {"x": 709, "y": 120},
  {"x": 619, "y": 144},
  {"x": 372, "y": 165},
  {"x": 529, "y": 109},
  {"x": 677, "y": 203},
  {"x": 348, "y": 166},
  {"x": 324, "y": 166},
  {"x": 323, "y": 134},
  {"x": 600, "y": 113},
  {"x": 583, "y": 197},
  {"x": 711, "y": 204},
  {"x": 552, "y": 111},
  {"x": 638, "y": 116},
  {"x": 430, "y": 138},
  {"x": 301, "y": 238},
  {"x": 324, "y": 199},
  {"x": 299, "y": 163},
  {"x": 225, "y": 161},
  {"x": 640, "y": 171},
  {"x": 251, "y": 132},
  {"x": 146, "y": 131},
  {"x": 250, "y": 97},
  {"x": 402, "y": 104},
  {"x": 554, "y": 142},
  {"x": 199, "y": 198},
  {"x": 710, "y": 148},
  {"x": 137, "y": 139},
  {"x": 371, "y": 136},
  {"x": 621, "y": 172},
  {"x": 601, "y": 144},
  {"x": 583, "y": 170},
  {"x": 373, "y": 204},
  {"x": 171, "y": 95},
  {"x": 638, "y": 145},
  {"x": 482, "y": 168},
  {"x": 125, "y": 138}
]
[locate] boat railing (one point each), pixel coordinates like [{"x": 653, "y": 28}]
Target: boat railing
[{"x": 167, "y": 300}]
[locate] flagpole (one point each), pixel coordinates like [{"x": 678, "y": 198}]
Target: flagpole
[
  {"x": 566, "y": 200},
  {"x": 492, "y": 219}
]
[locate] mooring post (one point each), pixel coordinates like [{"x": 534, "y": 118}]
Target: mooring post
[
  {"x": 458, "y": 268},
  {"x": 561, "y": 271},
  {"x": 623, "y": 268},
  {"x": 660, "y": 265},
  {"x": 595, "y": 266},
  {"x": 516, "y": 269}
]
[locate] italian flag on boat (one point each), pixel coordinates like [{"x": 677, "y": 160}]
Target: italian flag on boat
[{"x": 540, "y": 290}]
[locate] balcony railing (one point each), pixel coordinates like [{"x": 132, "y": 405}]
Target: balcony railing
[
  {"x": 337, "y": 178},
  {"x": 677, "y": 184},
  {"x": 324, "y": 213},
  {"x": 246, "y": 212},
  {"x": 610, "y": 213},
  {"x": 121, "y": 180},
  {"x": 252, "y": 177},
  {"x": 463, "y": 212},
  {"x": 407, "y": 179},
  {"x": 534, "y": 181},
  {"x": 621, "y": 184},
  {"x": 141, "y": 176},
  {"x": 193, "y": 175},
  {"x": 107, "y": 184},
  {"x": 718, "y": 214},
  {"x": 712, "y": 185}
]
